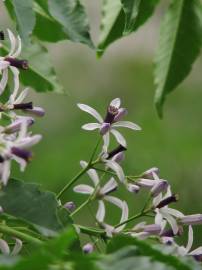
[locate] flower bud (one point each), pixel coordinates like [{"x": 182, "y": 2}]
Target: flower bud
[
  {"x": 70, "y": 206},
  {"x": 88, "y": 248},
  {"x": 133, "y": 188},
  {"x": 191, "y": 219},
  {"x": 35, "y": 111}
]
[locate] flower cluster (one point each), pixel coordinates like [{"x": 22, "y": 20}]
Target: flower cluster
[
  {"x": 167, "y": 223},
  {"x": 15, "y": 139}
]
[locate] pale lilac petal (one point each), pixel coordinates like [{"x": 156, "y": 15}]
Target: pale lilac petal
[
  {"x": 158, "y": 218},
  {"x": 197, "y": 251},
  {"x": 110, "y": 186},
  {"x": 5, "y": 171},
  {"x": 15, "y": 72},
  {"x": 92, "y": 173},
  {"x": 126, "y": 124},
  {"x": 19, "y": 48},
  {"x": 29, "y": 141},
  {"x": 171, "y": 221},
  {"x": 17, "y": 248},
  {"x": 146, "y": 182},
  {"x": 116, "y": 103},
  {"x": 91, "y": 111},
  {"x": 12, "y": 42},
  {"x": 120, "y": 139},
  {"x": 175, "y": 213},
  {"x": 4, "y": 247},
  {"x": 116, "y": 201},
  {"x": 22, "y": 96},
  {"x": 117, "y": 169},
  {"x": 4, "y": 64},
  {"x": 106, "y": 139},
  {"x": 3, "y": 81},
  {"x": 91, "y": 126},
  {"x": 84, "y": 189},
  {"x": 190, "y": 239},
  {"x": 21, "y": 162},
  {"x": 124, "y": 217},
  {"x": 101, "y": 211}
]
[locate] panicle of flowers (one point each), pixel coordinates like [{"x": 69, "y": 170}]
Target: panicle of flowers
[
  {"x": 16, "y": 114},
  {"x": 167, "y": 223}
]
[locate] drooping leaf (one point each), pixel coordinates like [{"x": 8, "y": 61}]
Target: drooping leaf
[
  {"x": 143, "y": 248},
  {"x": 72, "y": 16},
  {"x": 114, "y": 19},
  {"x": 127, "y": 259},
  {"x": 28, "y": 202},
  {"x": 131, "y": 9},
  {"x": 41, "y": 74},
  {"x": 51, "y": 31},
  {"x": 179, "y": 45},
  {"x": 24, "y": 16}
]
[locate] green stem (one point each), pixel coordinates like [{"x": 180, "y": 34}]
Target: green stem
[
  {"x": 76, "y": 177},
  {"x": 81, "y": 206},
  {"x": 72, "y": 181},
  {"x": 28, "y": 238},
  {"x": 91, "y": 231},
  {"x": 141, "y": 214}
]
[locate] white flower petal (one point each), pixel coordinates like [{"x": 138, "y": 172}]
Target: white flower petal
[
  {"x": 22, "y": 96},
  {"x": 171, "y": 221},
  {"x": 91, "y": 111},
  {"x": 3, "y": 81},
  {"x": 158, "y": 218},
  {"x": 91, "y": 126},
  {"x": 106, "y": 139},
  {"x": 92, "y": 173},
  {"x": 29, "y": 141},
  {"x": 126, "y": 124},
  {"x": 120, "y": 139},
  {"x": 117, "y": 169},
  {"x": 12, "y": 42},
  {"x": 109, "y": 186},
  {"x": 5, "y": 171},
  {"x": 190, "y": 239},
  {"x": 101, "y": 211},
  {"x": 175, "y": 213},
  {"x": 116, "y": 103},
  {"x": 124, "y": 216},
  {"x": 197, "y": 251},
  {"x": 157, "y": 200},
  {"x": 4, "y": 247},
  {"x": 19, "y": 48},
  {"x": 15, "y": 72},
  {"x": 116, "y": 201},
  {"x": 17, "y": 247},
  {"x": 3, "y": 64},
  {"x": 84, "y": 189}
]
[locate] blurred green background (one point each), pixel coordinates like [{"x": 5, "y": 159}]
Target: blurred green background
[{"x": 173, "y": 144}]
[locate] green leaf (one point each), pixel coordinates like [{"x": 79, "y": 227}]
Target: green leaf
[
  {"x": 179, "y": 45},
  {"x": 24, "y": 16},
  {"x": 131, "y": 9},
  {"x": 40, "y": 75},
  {"x": 28, "y": 202},
  {"x": 114, "y": 20},
  {"x": 44, "y": 18},
  {"x": 48, "y": 254},
  {"x": 127, "y": 259},
  {"x": 72, "y": 16},
  {"x": 143, "y": 248}
]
